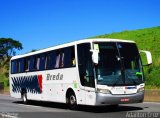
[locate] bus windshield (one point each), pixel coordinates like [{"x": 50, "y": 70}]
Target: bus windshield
[{"x": 119, "y": 64}]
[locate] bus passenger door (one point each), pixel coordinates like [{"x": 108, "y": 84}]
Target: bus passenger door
[{"x": 86, "y": 72}]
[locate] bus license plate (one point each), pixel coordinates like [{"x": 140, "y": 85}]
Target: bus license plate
[{"x": 124, "y": 99}]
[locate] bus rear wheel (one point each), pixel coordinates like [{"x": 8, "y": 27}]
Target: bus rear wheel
[
  {"x": 72, "y": 101},
  {"x": 24, "y": 98}
]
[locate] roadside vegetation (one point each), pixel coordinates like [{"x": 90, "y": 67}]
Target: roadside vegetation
[{"x": 8, "y": 48}]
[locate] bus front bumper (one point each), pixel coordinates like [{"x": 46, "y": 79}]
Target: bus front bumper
[{"x": 110, "y": 99}]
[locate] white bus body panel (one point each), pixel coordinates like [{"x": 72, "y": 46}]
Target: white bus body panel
[{"x": 53, "y": 88}]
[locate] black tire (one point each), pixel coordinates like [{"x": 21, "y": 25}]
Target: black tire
[
  {"x": 72, "y": 101},
  {"x": 24, "y": 98},
  {"x": 115, "y": 106}
]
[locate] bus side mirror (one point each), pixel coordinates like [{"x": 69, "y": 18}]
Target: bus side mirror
[
  {"x": 95, "y": 55},
  {"x": 148, "y": 56}
]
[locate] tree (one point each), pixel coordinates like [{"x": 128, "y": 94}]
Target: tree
[
  {"x": 8, "y": 48},
  {"x": 33, "y": 50}
]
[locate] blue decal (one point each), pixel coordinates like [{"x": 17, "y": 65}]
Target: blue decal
[{"x": 29, "y": 83}]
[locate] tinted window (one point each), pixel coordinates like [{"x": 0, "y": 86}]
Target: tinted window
[
  {"x": 65, "y": 58},
  {"x": 42, "y": 62},
  {"x": 13, "y": 66},
  {"x": 85, "y": 65},
  {"x": 61, "y": 58},
  {"x": 49, "y": 60},
  {"x": 69, "y": 57},
  {"x": 18, "y": 66},
  {"x": 26, "y": 64},
  {"x": 21, "y": 65}
]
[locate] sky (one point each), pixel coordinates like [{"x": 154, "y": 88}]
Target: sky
[{"x": 39, "y": 24}]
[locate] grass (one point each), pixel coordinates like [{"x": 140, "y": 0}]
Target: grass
[
  {"x": 6, "y": 88},
  {"x": 150, "y": 87}
]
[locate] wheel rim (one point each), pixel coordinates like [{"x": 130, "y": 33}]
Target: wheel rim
[
  {"x": 72, "y": 99},
  {"x": 24, "y": 98}
]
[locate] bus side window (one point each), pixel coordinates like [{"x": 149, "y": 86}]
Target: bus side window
[
  {"x": 36, "y": 62},
  {"x": 45, "y": 65},
  {"x": 42, "y": 62},
  {"x": 61, "y": 59},
  {"x": 26, "y": 64},
  {"x": 73, "y": 60},
  {"x": 13, "y": 67},
  {"x": 47, "y": 61},
  {"x": 21, "y": 65},
  {"x": 57, "y": 59},
  {"x": 18, "y": 66},
  {"x": 53, "y": 59},
  {"x": 69, "y": 57}
]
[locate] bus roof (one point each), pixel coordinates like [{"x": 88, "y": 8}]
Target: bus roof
[{"x": 71, "y": 44}]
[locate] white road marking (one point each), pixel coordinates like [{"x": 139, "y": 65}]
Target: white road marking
[
  {"x": 152, "y": 102},
  {"x": 46, "y": 109},
  {"x": 29, "y": 105},
  {"x": 9, "y": 115}
]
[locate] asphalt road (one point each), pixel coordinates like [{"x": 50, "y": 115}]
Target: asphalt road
[{"x": 13, "y": 108}]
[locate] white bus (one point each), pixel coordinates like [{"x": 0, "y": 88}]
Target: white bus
[{"x": 87, "y": 72}]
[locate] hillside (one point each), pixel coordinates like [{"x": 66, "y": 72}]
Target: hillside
[{"x": 146, "y": 39}]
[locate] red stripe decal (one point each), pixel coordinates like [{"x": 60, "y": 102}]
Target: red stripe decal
[{"x": 40, "y": 82}]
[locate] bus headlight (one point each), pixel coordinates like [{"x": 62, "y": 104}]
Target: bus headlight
[
  {"x": 141, "y": 89},
  {"x": 105, "y": 91}
]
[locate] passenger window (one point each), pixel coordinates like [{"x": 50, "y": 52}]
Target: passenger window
[
  {"x": 26, "y": 64},
  {"x": 59, "y": 59},
  {"x": 21, "y": 65},
  {"x": 36, "y": 62},
  {"x": 73, "y": 60},
  {"x": 42, "y": 62},
  {"x": 47, "y": 61},
  {"x": 17, "y": 66},
  {"x": 65, "y": 58},
  {"x": 69, "y": 57},
  {"x": 13, "y": 67}
]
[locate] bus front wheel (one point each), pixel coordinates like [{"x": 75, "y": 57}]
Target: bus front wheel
[{"x": 72, "y": 101}]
